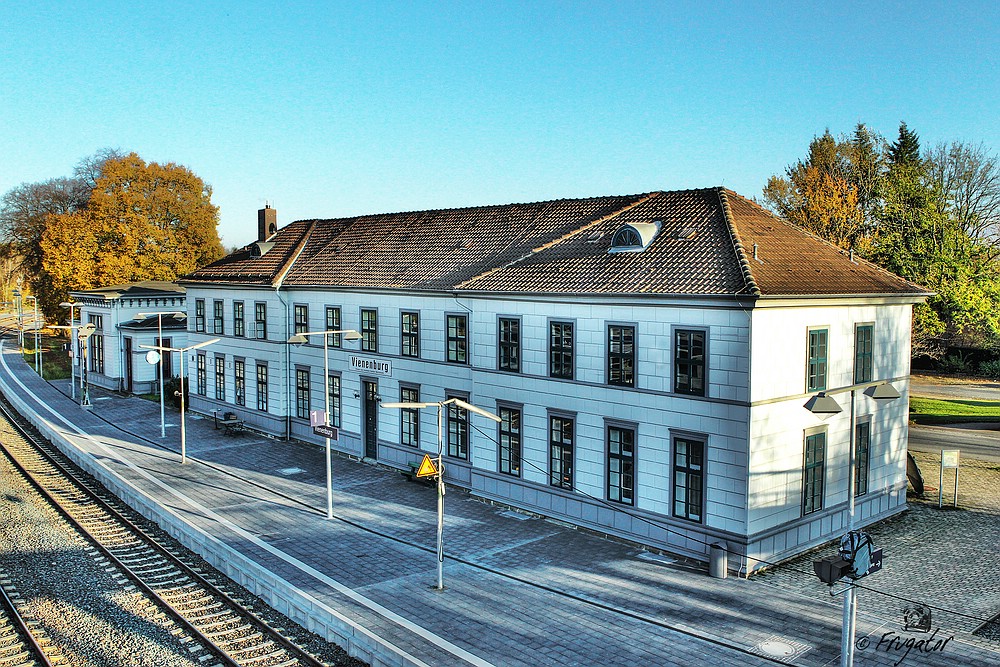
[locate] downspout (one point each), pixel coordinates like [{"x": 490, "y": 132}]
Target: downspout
[{"x": 288, "y": 354}]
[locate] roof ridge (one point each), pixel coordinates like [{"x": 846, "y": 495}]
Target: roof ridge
[
  {"x": 841, "y": 251},
  {"x": 287, "y": 266},
  {"x": 628, "y": 207},
  {"x": 734, "y": 236}
]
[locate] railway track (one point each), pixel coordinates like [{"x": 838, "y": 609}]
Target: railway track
[
  {"x": 20, "y": 645},
  {"x": 197, "y": 603}
]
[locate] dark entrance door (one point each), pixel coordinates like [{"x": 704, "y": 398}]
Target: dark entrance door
[
  {"x": 371, "y": 418},
  {"x": 128, "y": 365}
]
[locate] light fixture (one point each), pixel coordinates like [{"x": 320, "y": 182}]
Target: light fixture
[
  {"x": 882, "y": 392},
  {"x": 823, "y": 406}
]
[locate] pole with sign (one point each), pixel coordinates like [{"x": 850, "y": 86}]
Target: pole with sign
[{"x": 949, "y": 459}]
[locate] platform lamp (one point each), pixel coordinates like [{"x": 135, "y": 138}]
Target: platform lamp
[
  {"x": 182, "y": 350},
  {"x": 824, "y": 406},
  {"x": 440, "y": 465},
  {"x": 36, "y": 336},
  {"x": 302, "y": 339},
  {"x": 159, "y": 358},
  {"x": 74, "y": 348}
]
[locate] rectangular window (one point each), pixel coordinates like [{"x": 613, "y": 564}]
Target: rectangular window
[
  {"x": 96, "y": 344},
  {"x": 816, "y": 367},
  {"x": 621, "y": 355},
  {"x": 301, "y": 313},
  {"x": 561, "y": 452},
  {"x": 302, "y": 393},
  {"x": 509, "y": 345},
  {"x": 240, "y": 381},
  {"x": 333, "y": 389},
  {"x": 218, "y": 324},
  {"x": 220, "y": 377},
  {"x": 262, "y": 387},
  {"x": 199, "y": 315},
  {"x": 260, "y": 320},
  {"x": 813, "y": 473},
  {"x": 239, "y": 328},
  {"x": 458, "y": 431},
  {"x": 510, "y": 441},
  {"x": 410, "y": 331},
  {"x": 689, "y": 362},
  {"x": 333, "y": 324},
  {"x": 862, "y": 457},
  {"x": 410, "y": 417},
  {"x": 458, "y": 339},
  {"x": 863, "y": 368},
  {"x": 201, "y": 375},
  {"x": 621, "y": 465},
  {"x": 561, "y": 350},
  {"x": 369, "y": 330},
  {"x": 689, "y": 478}
]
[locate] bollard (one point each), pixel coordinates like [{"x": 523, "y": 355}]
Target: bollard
[{"x": 718, "y": 560}]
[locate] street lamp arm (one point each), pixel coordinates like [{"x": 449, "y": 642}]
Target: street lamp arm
[
  {"x": 301, "y": 338},
  {"x": 471, "y": 408},
  {"x": 404, "y": 406}
]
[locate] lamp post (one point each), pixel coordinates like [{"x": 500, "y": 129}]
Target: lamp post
[
  {"x": 440, "y": 466},
  {"x": 182, "y": 350},
  {"x": 34, "y": 327},
  {"x": 75, "y": 349},
  {"x": 823, "y": 406},
  {"x": 301, "y": 339},
  {"x": 159, "y": 341},
  {"x": 20, "y": 323}
]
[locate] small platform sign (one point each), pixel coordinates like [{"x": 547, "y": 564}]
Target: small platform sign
[
  {"x": 427, "y": 468},
  {"x": 331, "y": 432},
  {"x": 317, "y": 417}
]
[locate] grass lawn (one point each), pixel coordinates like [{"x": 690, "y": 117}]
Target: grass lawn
[
  {"x": 55, "y": 360},
  {"x": 930, "y": 411}
]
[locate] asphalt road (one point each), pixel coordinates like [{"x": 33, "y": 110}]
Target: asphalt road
[{"x": 979, "y": 441}]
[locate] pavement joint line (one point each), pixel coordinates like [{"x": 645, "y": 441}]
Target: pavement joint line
[{"x": 442, "y": 643}]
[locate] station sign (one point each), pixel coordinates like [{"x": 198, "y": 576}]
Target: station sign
[
  {"x": 331, "y": 432},
  {"x": 370, "y": 365}
]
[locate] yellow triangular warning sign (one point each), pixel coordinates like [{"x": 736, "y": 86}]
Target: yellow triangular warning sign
[{"x": 426, "y": 468}]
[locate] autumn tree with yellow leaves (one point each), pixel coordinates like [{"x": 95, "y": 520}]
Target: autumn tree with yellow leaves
[{"x": 143, "y": 221}]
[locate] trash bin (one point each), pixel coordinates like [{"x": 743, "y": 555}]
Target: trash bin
[{"x": 718, "y": 560}]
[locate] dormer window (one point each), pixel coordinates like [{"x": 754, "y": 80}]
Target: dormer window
[
  {"x": 634, "y": 237},
  {"x": 260, "y": 248}
]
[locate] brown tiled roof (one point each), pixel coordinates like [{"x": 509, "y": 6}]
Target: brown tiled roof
[
  {"x": 244, "y": 269},
  {"x": 561, "y": 247}
]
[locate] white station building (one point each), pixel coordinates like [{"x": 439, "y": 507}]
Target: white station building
[{"x": 649, "y": 357}]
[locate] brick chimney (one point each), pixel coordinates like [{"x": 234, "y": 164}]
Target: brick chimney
[{"x": 267, "y": 222}]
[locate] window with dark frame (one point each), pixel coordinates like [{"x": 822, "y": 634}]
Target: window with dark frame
[
  {"x": 621, "y": 355},
  {"x": 410, "y": 334},
  {"x": 689, "y": 362},
  {"x": 862, "y": 457},
  {"x": 561, "y": 452},
  {"x": 199, "y": 315},
  {"x": 218, "y": 323},
  {"x": 689, "y": 478},
  {"x": 409, "y": 417},
  {"x": 369, "y": 330},
  {"x": 238, "y": 321},
  {"x": 509, "y": 441},
  {"x": 201, "y": 374},
  {"x": 333, "y": 390},
  {"x": 302, "y": 393},
  {"x": 863, "y": 353},
  {"x": 301, "y": 314},
  {"x": 220, "y": 377},
  {"x": 561, "y": 350},
  {"x": 458, "y": 339},
  {"x": 621, "y": 465},
  {"x": 333, "y": 324},
  {"x": 240, "y": 381},
  {"x": 260, "y": 320},
  {"x": 814, "y": 473},
  {"x": 509, "y": 344},
  {"x": 458, "y": 431},
  {"x": 816, "y": 365},
  {"x": 262, "y": 387}
]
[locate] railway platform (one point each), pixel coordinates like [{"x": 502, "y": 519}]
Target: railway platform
[{"x": 519, "y": 590}]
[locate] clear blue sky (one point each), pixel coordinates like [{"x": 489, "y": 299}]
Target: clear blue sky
[{"x": 328, "y": 109}]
